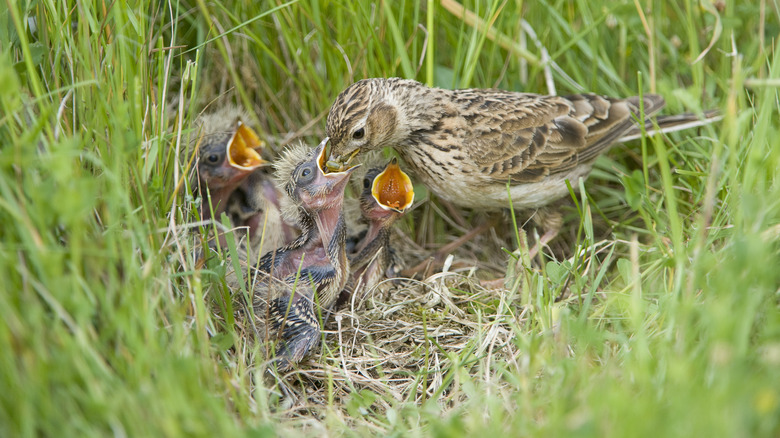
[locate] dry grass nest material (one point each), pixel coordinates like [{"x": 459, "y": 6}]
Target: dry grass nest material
[
  {"x": 403, "y": 338},
  {"x": 399, "y": 331}
]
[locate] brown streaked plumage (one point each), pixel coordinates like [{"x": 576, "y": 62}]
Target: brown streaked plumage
[
  {"x": 313, "y": 269},
  {"x": 466, "y": 145}
]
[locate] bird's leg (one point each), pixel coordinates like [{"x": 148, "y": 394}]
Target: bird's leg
[
  {"x": 519, "y": 262},
  {"x": 551, "y": 221},
  {"x": 454, "y": 213},
  {"x": 548, "y": 236}
]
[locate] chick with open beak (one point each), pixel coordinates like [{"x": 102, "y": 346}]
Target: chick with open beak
[
  {"x": 387, "y": 195},
  {"x": 391, "y": 190},
  {"x": 228, "y": 152},
  {"x": 311, "y": 271}
]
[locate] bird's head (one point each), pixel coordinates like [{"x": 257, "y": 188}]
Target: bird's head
[
  {"x": 311, "y": 187},
  {"x": 360, "y": 120},
  {"x": 387, "y": 193},
  {"x": 228, "y": 155}
]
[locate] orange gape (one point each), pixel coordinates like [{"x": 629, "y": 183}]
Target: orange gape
[
  {"x": 241, "y": 148},
  {"x": 391, "y": 193},
  {"x": 393, "y": 189}
]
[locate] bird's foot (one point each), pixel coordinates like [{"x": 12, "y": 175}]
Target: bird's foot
[
  {"x": 551, "y": 221},
  {"x": 546, "y": 238},
  {"x": 496, "y": 283}
]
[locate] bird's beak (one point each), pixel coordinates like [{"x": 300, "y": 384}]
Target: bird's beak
[
  {"x": 330, "y": 167},
  {"x": 242, "y": 149},
  {"x": 392, "y": 189},
  {"x": 327, "y": 187},
  {"x": 336, "y": 164}
]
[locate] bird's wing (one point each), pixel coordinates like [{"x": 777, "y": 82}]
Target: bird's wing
[
  {"x": 294, "y": 318},
  {"x": 526, "y": 137},
  {"x": 607, "y": 119}
]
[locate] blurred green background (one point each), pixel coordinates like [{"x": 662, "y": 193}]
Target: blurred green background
[{"x": 109, "y": 326}]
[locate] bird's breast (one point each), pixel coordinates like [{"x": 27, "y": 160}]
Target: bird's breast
[{"x": 455, "y": 179}]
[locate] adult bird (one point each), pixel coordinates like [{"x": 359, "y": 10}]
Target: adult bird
[
  {"x": 297, "y": 280},
  {"x": 467, "y": 145}
]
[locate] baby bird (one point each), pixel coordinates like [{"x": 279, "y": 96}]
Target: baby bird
[
  {"x": 311, "y": 271},
  {"x": 227, "y": 153},
  {"x": 255, "y": 209},
  {"x": 233, "y": 176},
  {"x": 387, "y": 194}
]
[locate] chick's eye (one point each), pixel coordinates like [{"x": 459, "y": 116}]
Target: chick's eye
[
  {"x": 366, "y": 182},
  {"x": 213, "y": 158},
  {"x": 305, "y": 174},
  {"x": 358, "y": 134}
]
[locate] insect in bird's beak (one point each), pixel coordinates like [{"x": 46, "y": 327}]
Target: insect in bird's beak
[
  {"x": 334, "y": 165},
  {"x": 392, "y": 189},
  {"x": 337, "y": 164},
  {"x": 243, "y": 148}
]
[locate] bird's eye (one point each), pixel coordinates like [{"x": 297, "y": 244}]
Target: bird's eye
[
  {"x": 213, "y": 158},
  {"x": 305, "y": 174},
  {"x": 358, "y": 134},
  {"x": 366, "y": 183}
]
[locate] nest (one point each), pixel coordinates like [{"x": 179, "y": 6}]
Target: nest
[
  {"x": 406, "y": 340},
  {"x": 403, "y": 339},
  {"x": 398, "y": 332}
]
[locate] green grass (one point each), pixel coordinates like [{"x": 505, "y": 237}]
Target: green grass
[{"x": 670, "y": 325}]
